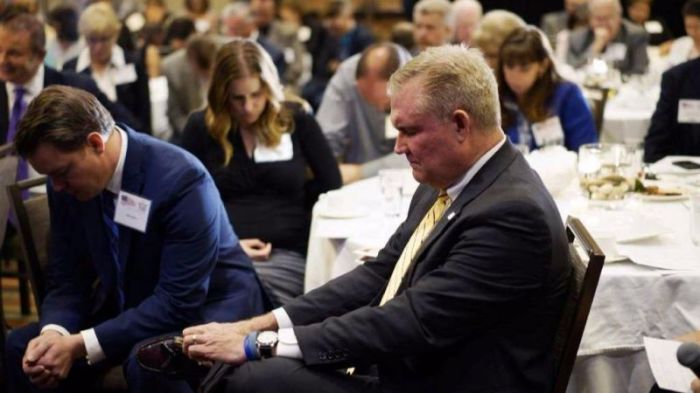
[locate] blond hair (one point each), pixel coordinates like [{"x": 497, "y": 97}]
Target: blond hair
[
  {"x": 238, "y": 59},
  {"x": 495, "y": 26},
  {"x": 99, "y": 18},
  {"x": 453, "y": 77}
]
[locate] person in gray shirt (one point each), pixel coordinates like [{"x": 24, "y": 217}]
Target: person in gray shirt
[{"x": 354, "y": 112}]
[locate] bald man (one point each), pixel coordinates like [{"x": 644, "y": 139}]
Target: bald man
[
  {"x": 354, "y": 110},
  {"x": 610, "y": 37}
]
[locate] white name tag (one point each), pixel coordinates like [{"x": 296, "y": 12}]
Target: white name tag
[
  {"x": 689, "y": 111},
  {"x": 653, "y": 27},
  {"x": 124, "y": 75},
  {"x": 132, "y": 211},
  {"x": 548, "y": 132},
  {"x": 390, "y": 132},
  {"x": 616, "y": 52},
  {"x": 282, "y": 152}
]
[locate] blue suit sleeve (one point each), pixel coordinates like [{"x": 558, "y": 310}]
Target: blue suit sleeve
[{"x": 576, "y": 119}]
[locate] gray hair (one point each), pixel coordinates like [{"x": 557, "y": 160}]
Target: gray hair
[
  {"x": 442, "y": 7},
  {"x": 453, "y": 77},
  {"x": 615, "y": 3}
]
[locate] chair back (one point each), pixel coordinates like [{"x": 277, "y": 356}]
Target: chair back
[
  {"x": 8, "y": 175},
  {"x": 33, "y": 221},
  {"x": 587, "y": 262},
  {"x": 597, "y": 97}
]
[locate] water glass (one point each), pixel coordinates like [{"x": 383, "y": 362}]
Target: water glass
[
  {"x": 391, "y": 184},
  {"x": 695, "y": 217}
]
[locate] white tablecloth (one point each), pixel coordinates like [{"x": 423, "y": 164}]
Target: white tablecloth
[
  {"x": 631, "y": 301},
  {"x": 628, "y": 114}
]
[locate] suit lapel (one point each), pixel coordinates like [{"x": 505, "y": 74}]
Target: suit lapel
[
  {"x": 481, "y": 181},
  {"x": 4, "y": 112}
]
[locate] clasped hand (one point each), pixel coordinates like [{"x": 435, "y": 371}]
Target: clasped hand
[{"x": 49, "y": 358}]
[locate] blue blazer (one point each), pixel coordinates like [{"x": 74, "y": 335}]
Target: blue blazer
[
  {"x": 574, "y": 114},
  {"x": 187, "y": 268}
]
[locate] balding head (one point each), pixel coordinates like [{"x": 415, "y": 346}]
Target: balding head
[
  {"x": 374, "y": 69},
  {"x": 466, "y": 15},
  {"x": 605, "y": 15}
]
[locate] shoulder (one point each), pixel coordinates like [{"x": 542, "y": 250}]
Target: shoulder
[
  {"x": 687, "y": 68},
  {"x": 566, "y": 88},
  {"x": 196, "y": 122},
  {"x": 163, "y": 160},
  {"x": 633, "y": 31}
]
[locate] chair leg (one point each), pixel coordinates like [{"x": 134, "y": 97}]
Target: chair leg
[{"x": 24, "y": 300}]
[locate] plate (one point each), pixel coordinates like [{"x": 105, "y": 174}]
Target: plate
[
  {"x": 615, "y": 258},
  {"x": 626, "y": 226},
  {"x": 343, "y": 212},
  {"x": 662, "y": 198}
]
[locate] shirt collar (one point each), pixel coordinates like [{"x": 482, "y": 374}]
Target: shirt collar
[
  {"x": 115, "y": 183},
  {"x": 117, "y": 60},
  {"x": 456, "y": 189}
]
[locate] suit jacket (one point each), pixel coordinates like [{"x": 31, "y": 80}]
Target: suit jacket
[
  {"x": 634, "y": 37},
  {"x": 187, "y": 268},
  {"x": 666, "y": 136},
  {"x": 134, "y": 96},
  {"x": 53, "y": 77},
  {"x": 185, "y": 90},
  {"x": 478, "y": 308},
  {"x": 552, "y": 23}
]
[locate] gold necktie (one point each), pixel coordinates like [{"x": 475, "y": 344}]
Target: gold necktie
[{"x": 417, "y": 238}]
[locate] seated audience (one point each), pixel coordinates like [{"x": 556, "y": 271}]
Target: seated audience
[
  {"x": 281, "y": 34},
  {"x": 115, "y": 280},
  {"x": 553, "y": 23},
  {"x": 188, "y": 72},
  {"x": 639, "y": 13},
  {"x": 610, "y": 37},
  {"x": 432, "y": 23},
  {"x": 117, "y": 72},
  {"x": 466, "y": 15},
  {"x": 354, "y": 113},
  {"x": 402, "y": 34},
  {"x": 466, "y": 295},
  {"x": 67, "y": 44},
  {"x": 687, "y": 47},
  {"x": 539, "y": 107},
  {"x": 258, "y": 148},
  {"x": 495, "y": 26},
  {"x": 675, "y": 128}
]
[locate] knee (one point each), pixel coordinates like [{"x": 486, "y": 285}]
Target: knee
[
  {"x": 275, "y": 374},
  {"x": 16, "y": 343}
]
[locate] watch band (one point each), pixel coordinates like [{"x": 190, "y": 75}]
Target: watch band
[{"x": 250, "y": 346}]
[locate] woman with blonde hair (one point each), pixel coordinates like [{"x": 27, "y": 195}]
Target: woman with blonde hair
[{"x": 257, "y": 146}]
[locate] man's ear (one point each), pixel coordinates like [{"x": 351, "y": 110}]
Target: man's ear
[
  {"x": 96, "y": 143},
  {"x": 463, "y": 124}
]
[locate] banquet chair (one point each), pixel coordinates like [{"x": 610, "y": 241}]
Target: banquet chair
[
  {"x": 585, "y": 275},
  {"x": 597, "y": 97},
  {"x": 34, "y": 223}
]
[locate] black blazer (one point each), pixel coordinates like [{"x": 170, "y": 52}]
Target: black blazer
[
  {"x": 133, "y": 96},
  {"x": 53, "y": 77},
  {"x": 666, "y": 136},
  {"x": 477, "y": 310}
]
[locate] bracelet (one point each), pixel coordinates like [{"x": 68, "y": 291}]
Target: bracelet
[{"x": 250, "y": 346}]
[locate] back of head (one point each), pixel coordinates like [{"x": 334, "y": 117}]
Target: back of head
[
  {"x": 381, "y": 60},
  {"x": 201, "y": 49},
  {"x": 691, "y": 8},
  {"x": 402, "y": 34},
  {"x": 440, "y": 7},
  {"x": 64, "y": 18},
  {"x": 99, "y": 18},
  {"x": 495, "y": 26},
  {"x": 452, "y": 77},
  {"x": 62, "y": 117},
  {"x": 17, "y": 22},
  {"x": 180, "y": 28}
]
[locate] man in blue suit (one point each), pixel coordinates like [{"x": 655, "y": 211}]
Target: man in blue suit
[{"x": 140, "y": 247}]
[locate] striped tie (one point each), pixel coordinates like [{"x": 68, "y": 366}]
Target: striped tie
[{"x": 414, "y": 244}]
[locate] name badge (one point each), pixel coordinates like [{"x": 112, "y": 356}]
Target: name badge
[
  {"x": 548, "y": 132},
  {"x": 616, "y": 52},
  {"x": 132, "y": 211},
  {"x": 689, "y": 111},
  {"x": 390, "y": 132},
  {"x": 653, "y": 27},
  {"x": 282, "y": 152},
  {"x": 124, "y": 75}
]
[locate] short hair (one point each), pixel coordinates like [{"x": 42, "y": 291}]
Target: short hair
[
  {"x": 62, "y": 117},
  {"x": 25, "y": 22},
  {"x": 338, "y": 8},
  {"x": 615, "y": 3},
  {"x": 691, "y": 8},
  {"x": 442, "y": 7},
  {"x": 453, "y": 77},
  {"x": 495, "y": 26},
  {"x": 99, "y": 18},
  {"x": 180, "y": 28},
  {"x": 398, "y": 56},
  {"x": 64, "y": 18},
  {"x": 238, "y": 8},
  {"x": 201, "y": 49},
  {"x": 402, "y": 34},
  {"x": 461, "y": 5}
]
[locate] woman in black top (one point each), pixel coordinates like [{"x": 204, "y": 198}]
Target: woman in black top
[{"x": 258, "y": 149}]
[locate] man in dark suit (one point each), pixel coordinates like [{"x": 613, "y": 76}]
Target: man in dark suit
[
  {"x": 22, "y": 43},
  {"x": 464, "y": 297},
  {"x": 140, "y": 246},
  {"x": 675, "y": 125},
  {"x": 616, "y": 40}
]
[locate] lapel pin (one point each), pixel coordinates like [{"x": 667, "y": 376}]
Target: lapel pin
[{"x": 449, "y": 216}]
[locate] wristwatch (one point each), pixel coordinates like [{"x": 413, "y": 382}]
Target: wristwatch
[{"x": 267, "y": 344}]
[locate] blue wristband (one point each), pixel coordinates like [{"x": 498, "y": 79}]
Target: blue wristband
[{"x": 250, "y": 347}]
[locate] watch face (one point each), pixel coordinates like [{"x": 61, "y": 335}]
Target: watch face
[{"x": 267, "y": 338}]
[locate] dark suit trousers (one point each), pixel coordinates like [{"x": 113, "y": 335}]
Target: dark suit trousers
[
  {"x": 82, "y": 377},
  {"x": 284, "y": 375}
]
